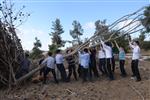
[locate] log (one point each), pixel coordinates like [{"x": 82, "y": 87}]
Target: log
[{"x": 28, "y": 75}]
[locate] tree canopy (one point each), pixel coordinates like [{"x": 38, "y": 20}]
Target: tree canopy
[
  {"x": 57, "y": 30},
  {"x": 146, "y": 20},
  {"x": 36, "y": 52},
  {"x": 77, "y": 31}
]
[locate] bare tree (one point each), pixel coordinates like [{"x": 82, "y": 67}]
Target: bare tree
[{"x": 11, "y": 51}]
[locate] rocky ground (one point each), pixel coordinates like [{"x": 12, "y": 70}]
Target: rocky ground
[{"x": 99, "y": 89}]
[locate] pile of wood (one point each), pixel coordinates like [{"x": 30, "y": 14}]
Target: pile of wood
[{"x": 11, "y": 53}]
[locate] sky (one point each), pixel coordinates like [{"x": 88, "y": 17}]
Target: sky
[{"x": 43, "y": 12}]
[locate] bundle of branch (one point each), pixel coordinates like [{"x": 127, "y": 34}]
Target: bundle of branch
[
  {"x": 132, "y": 25},
  {"x": 9, "y": 55}
]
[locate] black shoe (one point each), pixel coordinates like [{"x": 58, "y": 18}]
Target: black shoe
[
  {"x": 56, "y": 82},
  {"x": 123, "y": 75},
  {"x": 44, "y": 82},
  {"x": 76, "y": 79},
  {"x": 84, "y": 81},
  {"x": 68, "y": 80},
  {"x": 111, "y": 79},
  {"x": 138, "y": 80}
]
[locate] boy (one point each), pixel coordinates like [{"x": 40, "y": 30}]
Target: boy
[
  {"x": 71, "y": 65},
  {"x": 121, "y": 60},
  {"x": 25, "y": 66},
  {"x": 93, "y": 63},
  {"x": 108, "y": 51},
  {"x": 59, "y": 62},
  {"x": 135, "y": 60},
  {"x": 85, "y": 60},
  {"x": 50, "y": 66},
  {"x": 102, "y": 61}
]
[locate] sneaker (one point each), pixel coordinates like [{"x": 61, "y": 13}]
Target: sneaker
[{"x": 133, "y": 78}]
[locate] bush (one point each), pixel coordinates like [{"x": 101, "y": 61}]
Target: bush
[{"x": 145, "y": 45}]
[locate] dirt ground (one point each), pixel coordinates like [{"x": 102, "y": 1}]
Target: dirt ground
[{"x": 99, "y": 89}]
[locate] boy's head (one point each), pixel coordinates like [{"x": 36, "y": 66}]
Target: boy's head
[
  {"x": 49, "y": 53},
  {"x": 121, "y": 48},
  {"x": 26, "y": 55},
  {"x": 136, "y": 43},
  {"x": 58, "y": 51},
  {"x": 108, "y": 44},
  {"x": 85, "y": 50}
]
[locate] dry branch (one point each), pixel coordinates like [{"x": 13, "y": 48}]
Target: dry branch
[{"x": 138, "y": 92}]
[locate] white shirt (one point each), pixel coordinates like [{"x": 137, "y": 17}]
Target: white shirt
[
  {"x": 79, "y": 60},
  {"x": 101, "y": 54},
  {"x": 136, "y": 52},
  {"x": 84, "y": 59},
  {"x": 50, "y": 62},
  {"x": 59, "y": 59},
  {"x": 107, "y": 49}
]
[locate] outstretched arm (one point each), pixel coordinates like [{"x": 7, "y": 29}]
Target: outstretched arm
[
  {"x": 130, "y": 44},
  {"x": 103, "y": 44}
]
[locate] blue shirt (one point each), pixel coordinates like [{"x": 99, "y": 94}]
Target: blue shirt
[{"x": 122, "y": 55}]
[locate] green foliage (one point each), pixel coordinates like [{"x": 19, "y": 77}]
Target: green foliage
[
  {"x": 146, "y": 20},
  {"x": 56, "y": 34},
  {"x": 123, "y": 42},
  {"x": 36, "y": 52},
  {"x": 77, "y": 31},
  {"x": 37, "y": 44},
  {"x": 53, "y": 48},
  {"x": 141, "y": 37},
  {"x": 145, "y": 45},
  {"x": 100, "y": 26}
]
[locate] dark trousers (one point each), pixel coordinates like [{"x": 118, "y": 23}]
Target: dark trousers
[
  {"x": 84, "y": 74},
  {"x": 93, "y": 68},
  {"x": 42, "y": 70},
  {"x": 72, "y": 68},
  {"x": 21, "y": 72},
  {"x": 47, "y": 70},
  {"x": 102, "y": 66},
  {"x": 110, "y": 73},
  {"x": 80, "y": 71},
  {"x": 61, "y": 68},
  {"x": 121, "y": 64},
  {"x": 113, "y": 63},
  {"x": 135, "y": 69}
]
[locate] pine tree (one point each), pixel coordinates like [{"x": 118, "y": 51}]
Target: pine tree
[
  {"x": 57, "y": 41},
  {"x": 56, "y": 34},
  {"x": 36, "y": 52},
  {"x": 77, "y": 31}
]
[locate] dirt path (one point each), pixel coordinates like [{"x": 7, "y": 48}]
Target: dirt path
[{"x": 99, "y": 89}]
